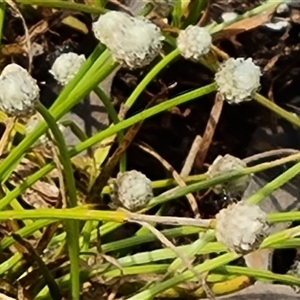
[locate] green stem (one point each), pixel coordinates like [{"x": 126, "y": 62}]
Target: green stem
[
  {"x": 292, "y": 118},
  {"x": 108, "y": 104},
  {"x": 260, "y": 274},
  {"x": 114, "y": 116},
  {"x": 72, "y": 226},
  {"x": 270, "y": 187},
  {"x": 149, "y": 77},
  {"x": 2, "y": 16},
  {"x": 66, "y": 5}
]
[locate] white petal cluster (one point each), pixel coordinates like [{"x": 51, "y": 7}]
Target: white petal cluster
[
  {"x": 66, "y": 66},
  {"x": 193, "y": 42},
  {"x": 132, "y": 189},
  {"x": 133, "y": 42},
  {"x": 162, "y": 7},
  {"x": 225, "y": 164},
  {"x": 238, "y": 79},
  {"x": 19, "y": 91},
  {"x": 242, "y": 227}
]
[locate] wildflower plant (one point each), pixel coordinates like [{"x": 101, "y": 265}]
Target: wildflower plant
[{"x": 71, "y": 228}]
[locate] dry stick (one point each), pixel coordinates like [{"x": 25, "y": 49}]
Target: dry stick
[
  {"x": 176, "y": 176},
  {"x": 278, "y": 152},
  {"x": 189, "y": 162},
  {"x": 209, "y": 130},
  {"x": 135, "y": 217}
]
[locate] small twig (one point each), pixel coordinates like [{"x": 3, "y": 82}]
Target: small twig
[
  {"x": 177, "y": 177},
  {"x": 278, "y": 152},
  {"x": 189, "y": 162},
  {"x": 134, "y": 217},
  {"x": 209, "y": 130}
]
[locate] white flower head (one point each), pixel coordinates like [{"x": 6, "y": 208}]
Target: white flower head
[
  {"x": 132, "y": 189},
  {"x": 225, "y": 164},
  {"x": 242, "y": 227},
  {"x": 66, "y": 66},
  {"x": 162, "y": 7},
  {"x": 238, "y": 79},
  {"x": 194, "y": 42},
  {"x": 19, "y": 91},
  {"x": 133, "y": 42}
]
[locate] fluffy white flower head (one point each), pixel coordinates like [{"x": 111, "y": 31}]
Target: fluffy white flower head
[
  {"x": 225, "y": 164},
  {"x": 19, "y": 91},
  {"x": 193, "y": 42},
  {"x": 66, "y": 67},
  {"x": 133, "y": 42},
  {"x": 238, "y": 79},
  {"x": 242, "y": 227},
  {"x": 132, "y": 189}
]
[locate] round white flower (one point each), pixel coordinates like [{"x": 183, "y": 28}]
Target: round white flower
[
  {"x": 229, "y": 163},
  {"x": 133, "y": 42},
  {"x": 242, "y": 227},
  {"x": 132, "y": 189},
  {"x": 66, "y": 66},
  {"x": 193, "y": 42},
  {"x": 238, "y": 79},
  {"x": 19, "y": 91}
]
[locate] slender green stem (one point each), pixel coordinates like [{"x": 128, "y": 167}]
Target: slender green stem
[
  {"x": 292, "y": 118},
  {"x": 260, "y": 274},
  {"x": 289, "y": 216},
  {"x": 150, "y": 76},
  {"x": 270, "y": 187},
  {"x": 64, "y": 155},
  {"x": 66, "y": 5},
  {"x": 24, "y": 232},
  {"x": 72, "y": 226},
  {"x": 108, "y": 104},
  {"x": 2, "y": 16},
  {"x": 267, "y": 5},
  {"x": 114, "y": 116}
]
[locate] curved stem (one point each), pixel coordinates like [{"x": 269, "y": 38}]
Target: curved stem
[{"x": 72, "y": 226}]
